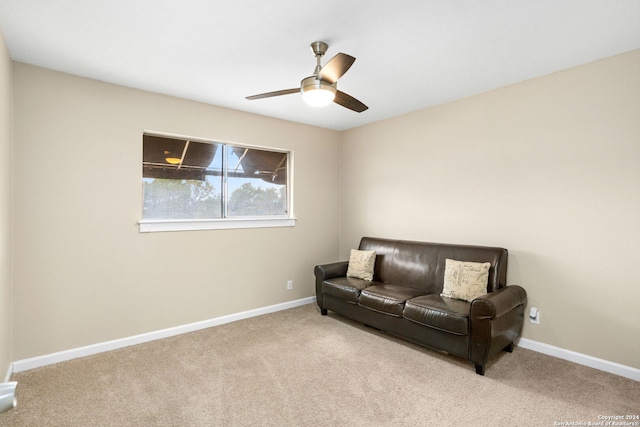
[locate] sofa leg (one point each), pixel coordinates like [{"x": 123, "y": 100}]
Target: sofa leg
[
  {"x": 323, "y": 311},
  {"x": 479, "y": 369},
  {"x": 509, "y": 348}
]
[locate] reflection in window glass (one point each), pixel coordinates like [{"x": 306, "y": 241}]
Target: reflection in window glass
[
  {"x": 185, "y": 179},
  {"x": 257, "y": 182}
]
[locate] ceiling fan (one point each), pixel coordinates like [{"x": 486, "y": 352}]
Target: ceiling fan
[{"x": 321, "y": 89}]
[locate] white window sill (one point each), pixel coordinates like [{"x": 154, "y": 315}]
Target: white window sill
[{"x": 150, "y": 226}]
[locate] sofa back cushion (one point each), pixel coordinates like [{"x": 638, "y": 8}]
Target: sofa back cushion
[{"x": 421, "y": 265}]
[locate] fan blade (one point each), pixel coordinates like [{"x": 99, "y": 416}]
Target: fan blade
[
  {"x": 276, "y": 93},
  {"x": 336, "y": 67},
  {"x": 349, "y": 102}
]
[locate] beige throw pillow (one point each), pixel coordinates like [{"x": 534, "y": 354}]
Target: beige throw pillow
[
  {"x": 465, "y": 280},
  {"x": 361, "y": 264}
]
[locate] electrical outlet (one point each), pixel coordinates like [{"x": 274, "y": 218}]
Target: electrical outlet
[
  {"x": 534, "y": 315},
  {"x": 289, "y": 285}
]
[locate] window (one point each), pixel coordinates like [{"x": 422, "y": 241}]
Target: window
[{"x": 194, "y": 184}]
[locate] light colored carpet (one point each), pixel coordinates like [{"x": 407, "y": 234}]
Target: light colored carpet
[{"x": 298, "y": 368}]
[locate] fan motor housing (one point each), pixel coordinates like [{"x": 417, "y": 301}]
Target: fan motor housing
[{"x": 314, "y": 83}]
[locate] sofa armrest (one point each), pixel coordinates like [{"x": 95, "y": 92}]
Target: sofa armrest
[
  {"x": 496, "y": 321},
  {"x": 331, "y": 271},
  {"x": 326, "y": 272},
  {"x": 497, "y": 303}
]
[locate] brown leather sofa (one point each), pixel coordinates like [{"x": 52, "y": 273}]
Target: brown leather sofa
[{"x": 404, "y": 298}]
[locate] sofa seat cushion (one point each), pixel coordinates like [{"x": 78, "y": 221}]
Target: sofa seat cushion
[
  {"x": 345, "y": 288},
  {"x": 387, "y": 299},
  {"x": 445, "y": 314}
]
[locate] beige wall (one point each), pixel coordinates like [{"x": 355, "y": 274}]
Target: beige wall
[
  {"x": 83, "y": 272},
  {"x": 6, "y": 96},
  {"x": 548, "y": 168}
]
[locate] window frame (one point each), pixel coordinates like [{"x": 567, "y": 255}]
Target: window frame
[{"x": 243, "y": 222}]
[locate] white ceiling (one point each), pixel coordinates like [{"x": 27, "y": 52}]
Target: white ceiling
[{"x": 411, "y": 54}]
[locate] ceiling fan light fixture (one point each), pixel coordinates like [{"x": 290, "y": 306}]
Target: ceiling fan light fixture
[
  {"x": 321, "y": 88},
  {"x": 316, "y": 92}
]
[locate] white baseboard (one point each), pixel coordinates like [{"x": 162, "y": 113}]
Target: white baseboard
[
  {"x": 581, "y": 359},
  {"x": 50, "y": 359},
  {"x": 62, "y": 356}
]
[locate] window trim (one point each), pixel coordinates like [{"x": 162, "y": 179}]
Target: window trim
[
  {"x": 155, "y": 225},
  {"x": 162, "y": 225}
]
